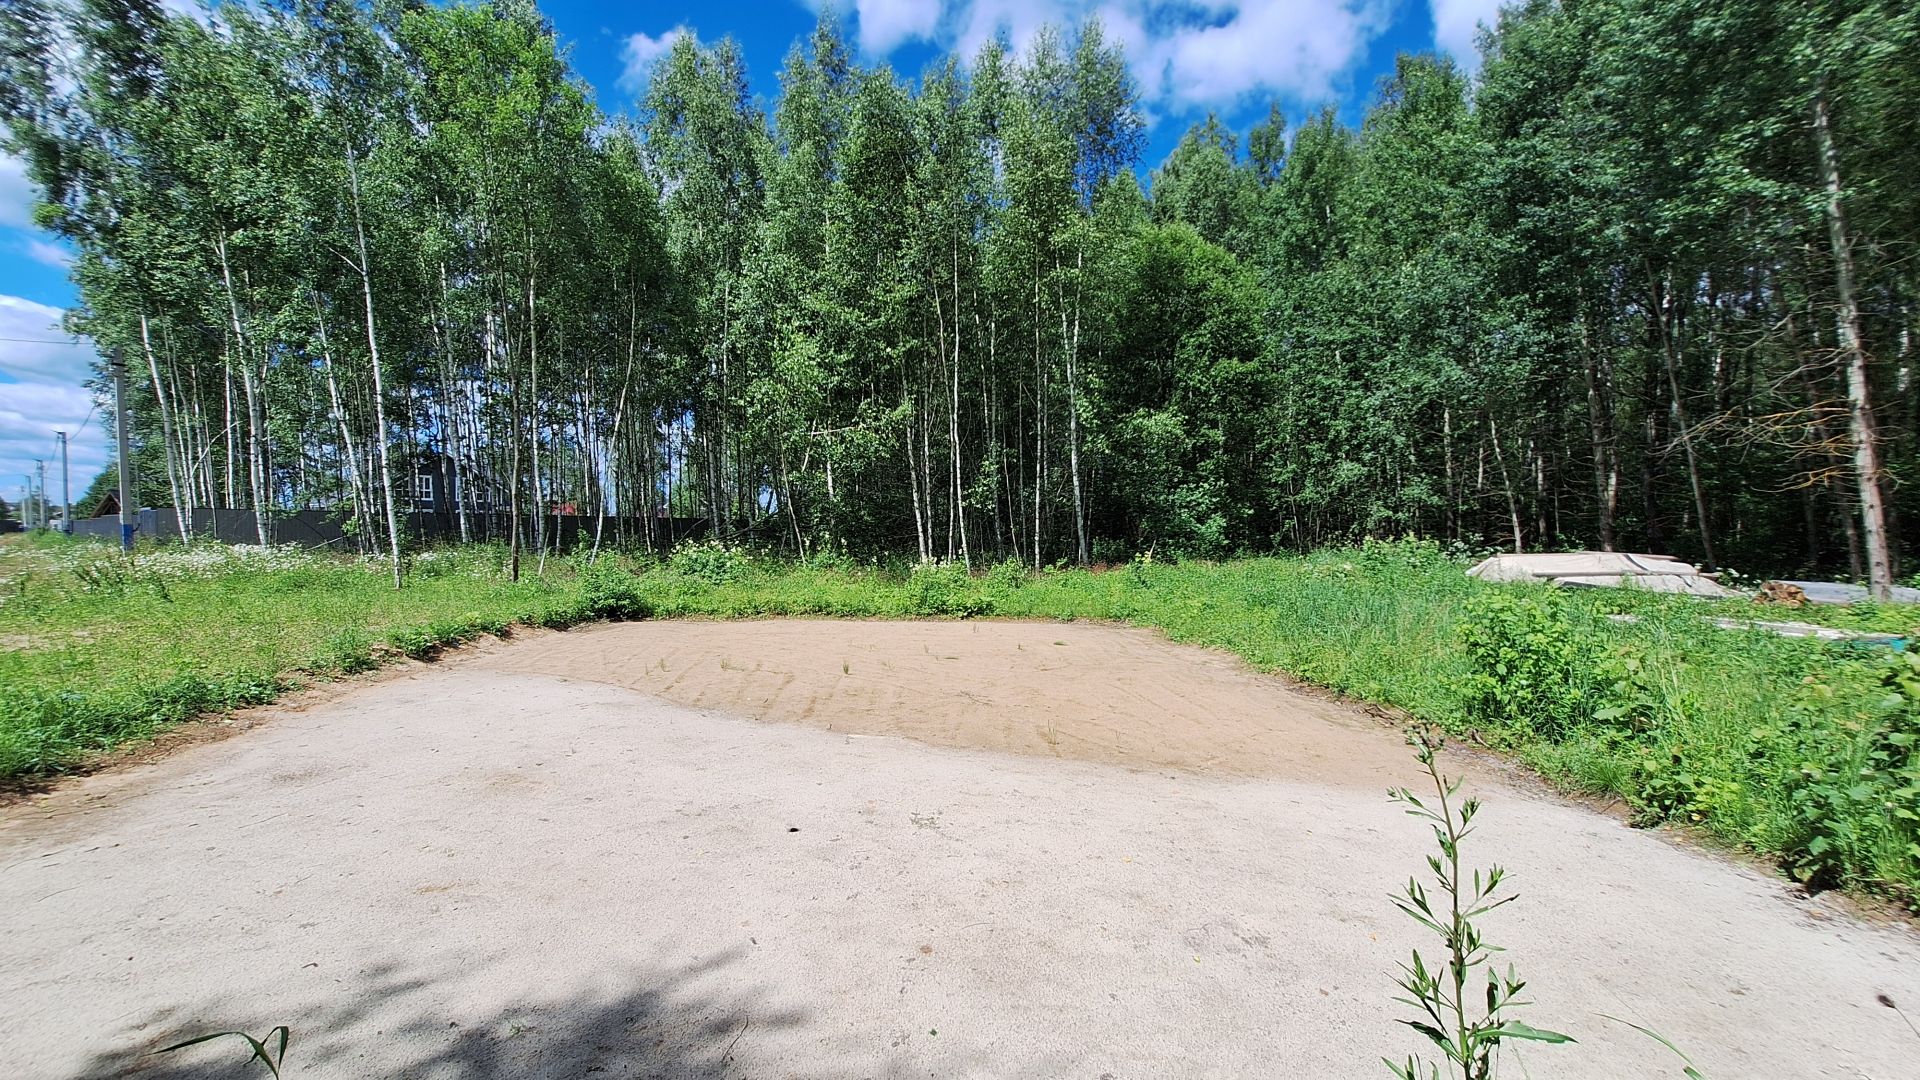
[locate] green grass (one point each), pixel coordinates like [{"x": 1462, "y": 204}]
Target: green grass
[
  {"x": 98, "y": 649},
  {"x": 1794, "y": 749}
]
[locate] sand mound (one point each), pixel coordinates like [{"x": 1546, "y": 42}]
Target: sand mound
[{"x": 1073, "y": 690}]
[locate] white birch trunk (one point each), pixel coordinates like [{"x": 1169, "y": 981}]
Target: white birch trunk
[
  {"x": 1853, "y": 353},
  {"x": 373, "y": 355}
]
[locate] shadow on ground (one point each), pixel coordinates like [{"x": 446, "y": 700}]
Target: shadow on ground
[{"x": 389, "y": 1022}]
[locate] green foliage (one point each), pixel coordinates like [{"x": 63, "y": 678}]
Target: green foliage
[
  {"x": 1006, "y": 576},
  {"x": 348, "y": 651},
  {"x": 946, "y": 589},
  {"x": 42, "y": 728},
  {"x": 711, "y": 561},
  {"x": 1855, "y": 795},
  {"x": 1203, "y": 185},
  {"x": 105, "y": 571},
  {"x": 1467, "y": 1033},
  {"x": 99, "y": 657},
  {"x": 1796, "y": 749},
  {"x": 1537, "y": 672},
  {"x": 609, "y": 592},
  {"x": 827, "y": 556},
  {"x": 872, "y": 308}
]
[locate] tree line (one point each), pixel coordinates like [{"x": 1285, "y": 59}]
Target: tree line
[{"x": 1645, "y": 281}]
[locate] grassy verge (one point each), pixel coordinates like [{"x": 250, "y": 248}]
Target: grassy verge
[
  {"x": 98, "y": 649},
  {"x": 1800, "y": 750}
]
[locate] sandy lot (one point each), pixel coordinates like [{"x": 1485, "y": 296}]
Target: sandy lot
[
  {"x": 1096, "y": 693},
  {"x": 1112, "y": 857}
]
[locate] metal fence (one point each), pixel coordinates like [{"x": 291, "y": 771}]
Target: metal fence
[{"x": 329, "y": 528}]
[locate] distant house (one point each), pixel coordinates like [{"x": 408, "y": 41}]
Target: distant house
[
  {"x": 437, "y": 476},
  {"x": 431, "y": 487}
]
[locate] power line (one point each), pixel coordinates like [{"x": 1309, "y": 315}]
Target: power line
[{"x": 43, "y": 341}]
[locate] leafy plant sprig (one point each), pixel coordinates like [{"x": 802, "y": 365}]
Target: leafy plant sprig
[{"x": 1467, "y": 1034}]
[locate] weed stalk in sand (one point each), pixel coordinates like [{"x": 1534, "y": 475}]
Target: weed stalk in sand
[{"x": 1467, "y": 1036}]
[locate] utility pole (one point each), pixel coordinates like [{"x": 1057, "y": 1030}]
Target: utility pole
[
  {"x": 26, "y": 502},
  {"x": 40, "y": 468},
  {"x": 66, "y": 489},
  {"x": 120, "y": 435}
]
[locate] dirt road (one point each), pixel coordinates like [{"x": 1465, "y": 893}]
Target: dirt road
[{"x": 1117, "y": 858}]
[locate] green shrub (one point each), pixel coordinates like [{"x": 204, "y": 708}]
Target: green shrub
[
  {"x": 711, "y": 561},
  {"x": 608, "y": 592},
  {"x": 1409, "y": 556},
  {"x": 413, "y": 642},
  {"x": 1007, "y": 576},
  {"x": 1537, "y": 669},
  {"x": 1676, "y": 782},
  {"x": 555, "y": 614},
  {"x": 831, "y": 557},
  {"x": 104, "y": 571},
  {"x": 945, "y": 589},
  {"x": 1855, "y": 790}
]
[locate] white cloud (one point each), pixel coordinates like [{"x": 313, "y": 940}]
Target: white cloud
[
  {"x": 975, "y": 23},
  {"x": 16, "y": 192},
  {"x": 34, "y": 347},
  {"x": 1185, "y": 54},
  {"x": 638, "y": 53},
  {"x": 885, "y": 24},
  {"x": 44, "y": 393},
  {"x": 29, "y": 416},
  {"x": 1297, "y": 49},
  {"x": 1457, "y": 22},
  {"x": 53, "y": 255}
]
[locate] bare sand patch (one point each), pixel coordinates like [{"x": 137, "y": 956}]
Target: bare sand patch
[{"x": 1071, "y": 690}]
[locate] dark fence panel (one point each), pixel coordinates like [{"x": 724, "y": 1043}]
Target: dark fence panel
[{"x": 328, "y": 528}]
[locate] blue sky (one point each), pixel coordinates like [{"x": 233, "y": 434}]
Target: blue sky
[{"x": 1188, "y": 56}]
